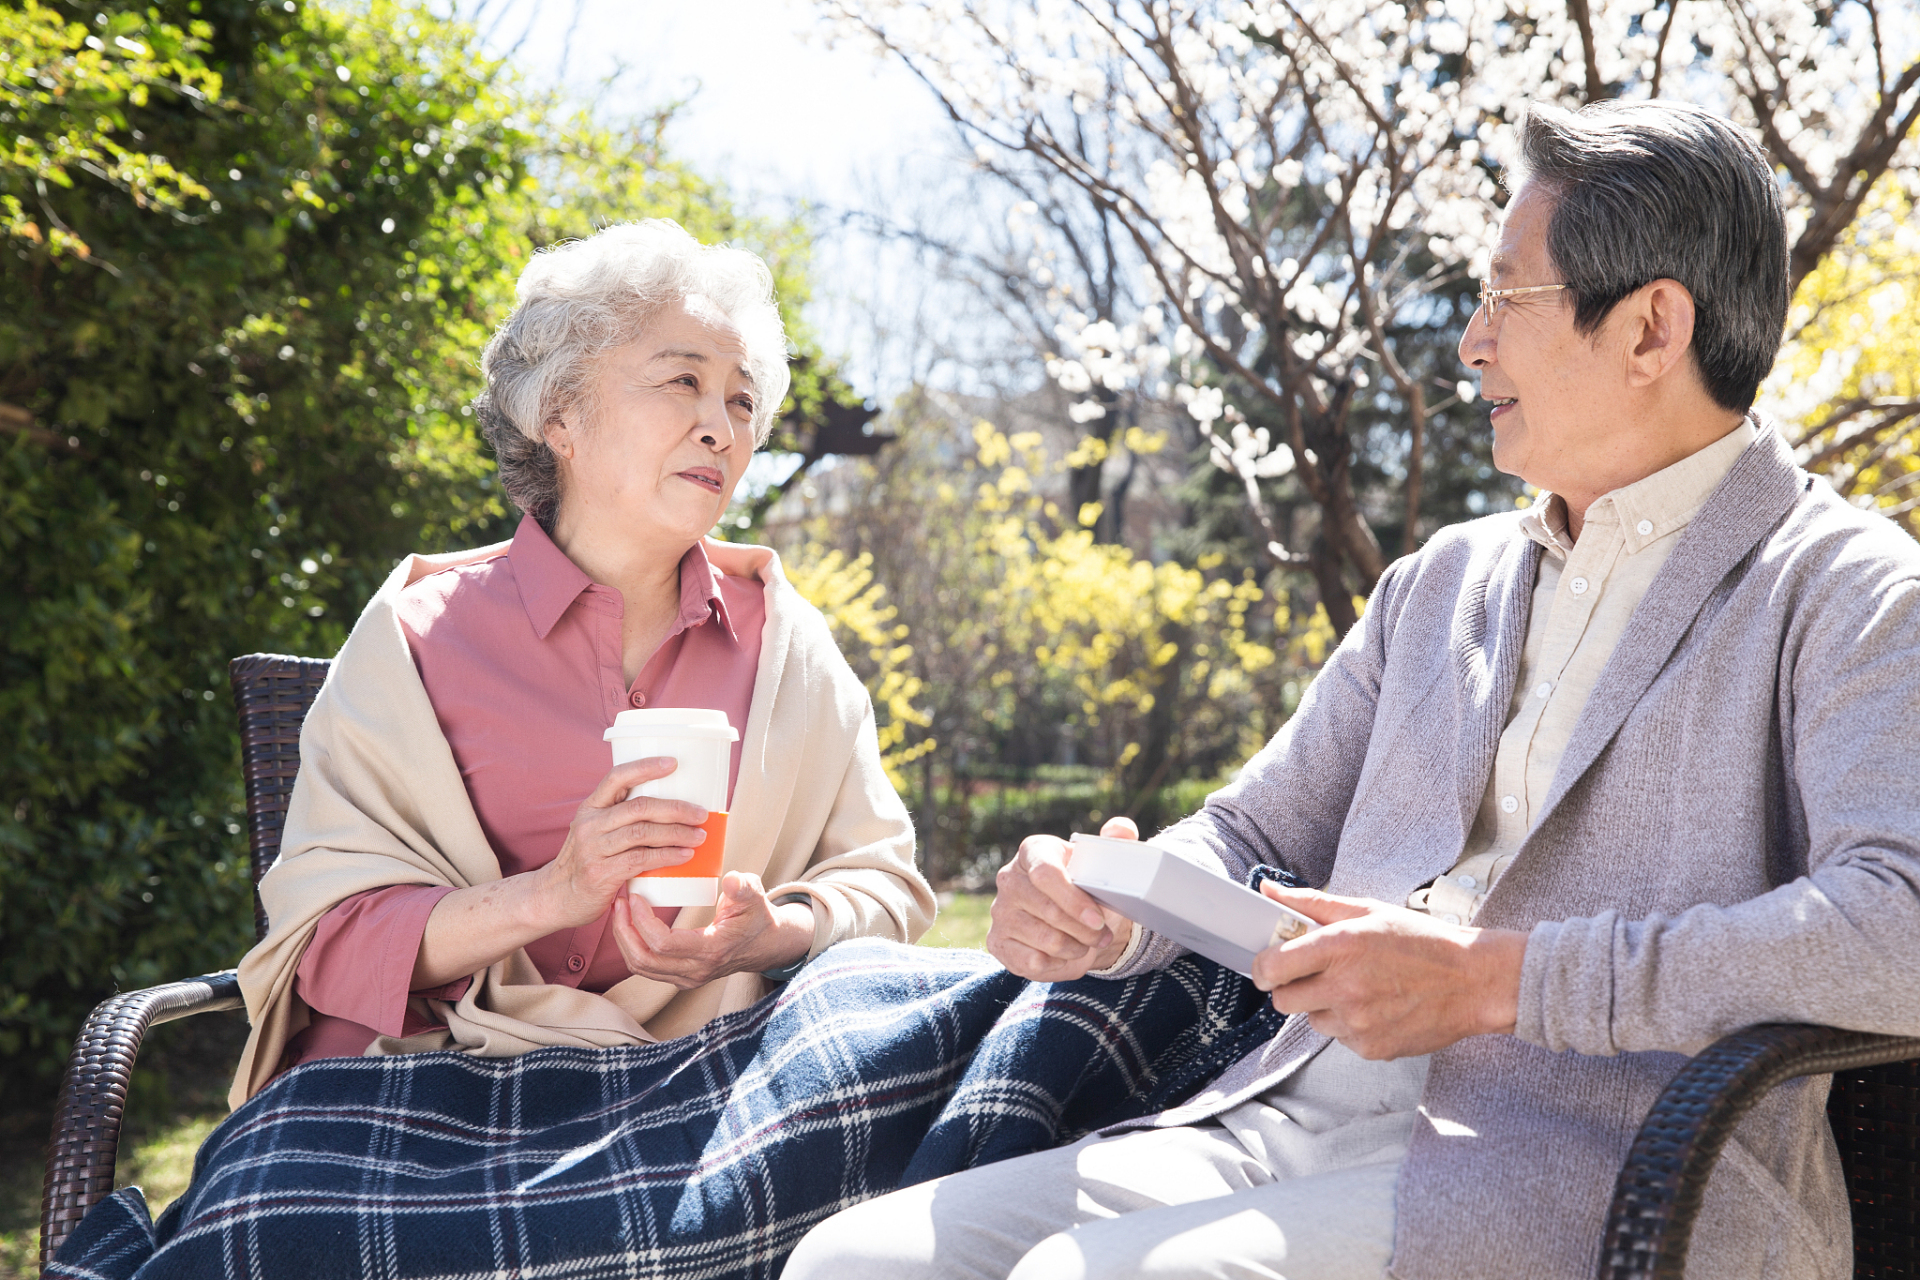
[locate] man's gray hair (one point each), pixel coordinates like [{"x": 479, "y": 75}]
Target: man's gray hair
[
  {"x": 1661, "y": 190},
  {"x": 581, "y": 298}
]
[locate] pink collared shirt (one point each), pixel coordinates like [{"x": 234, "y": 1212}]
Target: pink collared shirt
[{"x": 520, "y": 656}]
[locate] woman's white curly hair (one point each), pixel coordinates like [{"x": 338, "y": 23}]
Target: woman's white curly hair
[{"x": 581, "y": 298}]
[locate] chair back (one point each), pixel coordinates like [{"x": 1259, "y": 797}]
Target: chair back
[
  {"x": 1875, "y": 1114},
  {"x": 271, "y": 694}
]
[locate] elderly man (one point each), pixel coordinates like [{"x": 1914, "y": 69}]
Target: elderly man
[{"x": 1589, "y": 786}]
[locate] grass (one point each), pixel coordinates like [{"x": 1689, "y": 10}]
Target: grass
[
  {"x": 178, "y": 1096},
  {"x": 962, "y": 921}
]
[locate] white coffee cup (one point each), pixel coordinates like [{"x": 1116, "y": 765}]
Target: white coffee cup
[{"x": 700, "y": 741}]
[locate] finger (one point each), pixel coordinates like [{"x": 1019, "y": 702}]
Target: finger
[
  {"x": 637, "y": 862},
  {"x": 1295, "y": 961},
  {"x": 625, "y": 777},
  {"x": 655, "y": 809},
  {"x": 1120, "y": 829},
  {"x": 1321, "y": 908},
  {"x": 619, "y": 837},
  {"x": 1028, "y": 904},
  {"x": 1068, "y": 906},
  {"x": 1034, "y": 966},
  {"x": 1331, "y": 1025},
  {"x": 1042, "y": 937}
]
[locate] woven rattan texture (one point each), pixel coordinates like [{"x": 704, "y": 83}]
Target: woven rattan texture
[
  {"x": 1665, "y": 1175},
  {"x": 93, "y": 1095},
  {"x": 1876, "y": 1119},
  {"x": 271, "y": 693}
]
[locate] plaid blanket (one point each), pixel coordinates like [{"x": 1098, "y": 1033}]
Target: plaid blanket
[{"x": 880, "y": 1065}]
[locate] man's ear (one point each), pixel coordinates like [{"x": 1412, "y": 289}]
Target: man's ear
[{"x": 1659, "y": 333}]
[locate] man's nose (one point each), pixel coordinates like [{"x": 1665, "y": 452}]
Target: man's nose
[{"x": 1476, "y": 342}]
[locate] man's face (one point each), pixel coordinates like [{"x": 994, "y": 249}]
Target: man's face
[{"x": 1550, "y": 388}]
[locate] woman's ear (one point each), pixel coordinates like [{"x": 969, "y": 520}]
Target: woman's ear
[
  {"x": 1660, "y": 333},
  {"x": 559, "y": 435}
]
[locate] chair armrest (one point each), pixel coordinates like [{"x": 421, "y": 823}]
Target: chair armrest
[
  {"x": 93, "y": 1094},
  {"x": 1657, "y": 1197}
]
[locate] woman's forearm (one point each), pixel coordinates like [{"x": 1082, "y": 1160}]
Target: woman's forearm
[{"x": 473, "y": 928}]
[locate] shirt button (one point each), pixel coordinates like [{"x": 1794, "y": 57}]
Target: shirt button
[
  {"x": 1466, "y": 882},
  {"x": 1645, "y": 527},
  {"x": 575, "y": 963},
  {"x": 1578, "y": 586},
  {"x": 1508, "y": 804},
  {"x": 638, "y": 699},
  {"x": 1542, "y": 689},
  {"x": 1451, "y": 918}
]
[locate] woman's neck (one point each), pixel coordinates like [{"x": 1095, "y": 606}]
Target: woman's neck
[{"x": 645, "y": 573}]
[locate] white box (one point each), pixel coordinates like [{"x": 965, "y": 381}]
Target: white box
[{"x": 1200, "y": 909}]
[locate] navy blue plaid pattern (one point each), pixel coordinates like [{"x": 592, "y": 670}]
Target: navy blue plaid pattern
[{"x": 880, "y": 1065}]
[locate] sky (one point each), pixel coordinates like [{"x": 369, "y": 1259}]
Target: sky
[
  {"x": 785, "y": 118},
  {"x": 774, "y": 110}
]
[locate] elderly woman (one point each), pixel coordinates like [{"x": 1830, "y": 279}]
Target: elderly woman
[
  {"x": 456, "y": 847},
  {"x": 612, "y": 1094}
]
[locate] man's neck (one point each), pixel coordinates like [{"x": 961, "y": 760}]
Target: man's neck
[{"x": 1645, "y": 453}]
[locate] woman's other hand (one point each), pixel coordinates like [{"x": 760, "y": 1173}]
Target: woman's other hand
[
  {"x": 611, "y": 840},
  {"x": 1044, "y": 928},
  {"x": 748, "y": 934}
]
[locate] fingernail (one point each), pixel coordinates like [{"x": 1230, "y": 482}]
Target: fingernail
[{"x": 1092, "y": 919}]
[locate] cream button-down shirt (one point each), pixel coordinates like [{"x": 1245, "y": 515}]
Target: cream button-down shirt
[{"x": 1582, "y": 600}]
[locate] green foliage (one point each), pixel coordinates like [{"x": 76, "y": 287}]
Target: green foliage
[
  {"x": 1848, "y": 379},
  {"x": 1016, "y": 643},
  {"x": 245, "y": 282}
]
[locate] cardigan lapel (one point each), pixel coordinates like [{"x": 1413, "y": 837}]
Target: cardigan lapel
[
  {"x": 1759, "y": 490},
  {"x": 1489, "y": 632}
]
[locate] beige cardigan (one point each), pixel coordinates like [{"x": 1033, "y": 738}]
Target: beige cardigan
[{"x": 379, "y": 801}]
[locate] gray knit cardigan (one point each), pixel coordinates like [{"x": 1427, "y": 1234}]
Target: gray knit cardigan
[{"x": 1733, "y": 836}]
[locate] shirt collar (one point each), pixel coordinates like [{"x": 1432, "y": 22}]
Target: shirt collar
[
  {"x": 549, "y": 583},
  {"x": 1648, "y": 509}
]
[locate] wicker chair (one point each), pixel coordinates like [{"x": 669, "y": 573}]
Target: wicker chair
[
  {"x": 1875, "y": 1113},
  {"x": 1874, "y": 1107},
  {"x": 271, "y": 694}
]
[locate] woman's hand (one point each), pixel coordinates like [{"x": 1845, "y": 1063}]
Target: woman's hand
[
  {"x": 613, "y": 839},
  {"x": 748, "y": 934},
  {"x": 1044, "y": 928},
  {"x": 610, "y": 840}
]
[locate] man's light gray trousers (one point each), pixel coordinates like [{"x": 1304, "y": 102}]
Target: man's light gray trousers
[{"x": 1296, "y": 1184}]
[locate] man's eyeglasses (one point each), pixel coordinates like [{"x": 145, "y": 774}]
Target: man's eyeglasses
[{"x": 1490, "y": 299}]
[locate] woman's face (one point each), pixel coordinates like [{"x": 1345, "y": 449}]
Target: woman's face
[{"x": 670, "y": 433}]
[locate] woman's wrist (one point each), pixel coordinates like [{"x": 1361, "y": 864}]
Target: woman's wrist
[{"x": 790, "y": 938}]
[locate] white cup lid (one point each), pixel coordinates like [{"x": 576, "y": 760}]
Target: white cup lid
[{"x": 677, "y": 722}]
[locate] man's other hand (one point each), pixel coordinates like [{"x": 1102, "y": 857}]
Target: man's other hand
[
  {"x": 1390, "y": 982},
  {"x": 1045, "y": 929}
]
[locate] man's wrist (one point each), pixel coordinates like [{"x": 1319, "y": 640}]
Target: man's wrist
[{"x": 1500, "y": 954}]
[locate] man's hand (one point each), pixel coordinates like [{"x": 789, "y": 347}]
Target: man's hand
[
  {"x": 1389, "y": 982},
  {"x": 748, "y": 935},
  {"x": 1045, "y": 929}
]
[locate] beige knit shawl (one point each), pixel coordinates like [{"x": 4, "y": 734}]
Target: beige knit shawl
[{"x": 379, "y": 801}]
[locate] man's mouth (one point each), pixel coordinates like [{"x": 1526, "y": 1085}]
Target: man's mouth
[{"x": 706, "y": 477}]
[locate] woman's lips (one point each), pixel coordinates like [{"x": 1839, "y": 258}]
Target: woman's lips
[
  {"x": 1501, "y": 405},
  {"x": 705, "y": 477}
]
